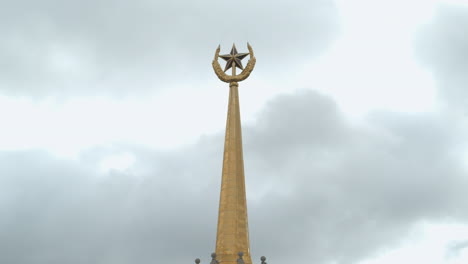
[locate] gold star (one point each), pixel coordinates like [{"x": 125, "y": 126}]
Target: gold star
[{"x": 233, "y": 57}]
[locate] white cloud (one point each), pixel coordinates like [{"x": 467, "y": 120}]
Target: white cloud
[
  {"x": 427, "y": 243},
  {"x": 371, "y": 66},
  {"x": 119, "y": 162}
]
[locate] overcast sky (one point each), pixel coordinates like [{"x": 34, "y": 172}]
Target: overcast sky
[{"x": 354, "y": 123}]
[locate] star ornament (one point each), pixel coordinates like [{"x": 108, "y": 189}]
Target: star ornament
[{"x": 233, "y": 58}]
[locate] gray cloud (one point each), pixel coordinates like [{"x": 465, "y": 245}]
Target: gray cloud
[
  {"x": 320, "y": 189},
  {"x": 89, "y": 47},
  {"x": 443, "y": 46}
]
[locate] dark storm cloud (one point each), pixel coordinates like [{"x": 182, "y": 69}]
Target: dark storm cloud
[
  {"x": 352, "y": 190},
  {"x": 443, "y": 47},
  {"x": 319, "y": 187},
  {"x": 55, "y": 212},
  {"x": 58, "y": 47}
]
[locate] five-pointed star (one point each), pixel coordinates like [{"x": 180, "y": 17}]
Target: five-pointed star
[{"x": 233, "y": 57}]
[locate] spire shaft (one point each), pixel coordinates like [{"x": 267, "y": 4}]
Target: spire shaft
[{"x": 233, "y": 232}]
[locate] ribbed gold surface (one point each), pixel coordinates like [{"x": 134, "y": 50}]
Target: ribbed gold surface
[{"x": 233, "y": 231}]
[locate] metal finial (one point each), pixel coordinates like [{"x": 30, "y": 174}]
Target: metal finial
[
  {"x": 213, "y": 259},
  {"x": 197, "y": 261},
  {"x": 240, "y": 260},
  {"x": 263, "y": 260}
]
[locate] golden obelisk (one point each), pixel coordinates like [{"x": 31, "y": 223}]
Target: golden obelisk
[{"x": 233, "y": 229}]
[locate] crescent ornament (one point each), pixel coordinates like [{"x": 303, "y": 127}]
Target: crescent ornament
[{"x": 234, "y": 78}]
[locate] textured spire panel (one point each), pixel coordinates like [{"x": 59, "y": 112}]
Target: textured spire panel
[{"x": 233, "y": 231}]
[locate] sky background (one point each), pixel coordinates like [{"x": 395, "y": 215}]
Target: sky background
[{"x": 354, "y": 126}]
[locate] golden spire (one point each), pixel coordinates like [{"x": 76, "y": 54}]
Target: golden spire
[{"x": 233, "y": 230}]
